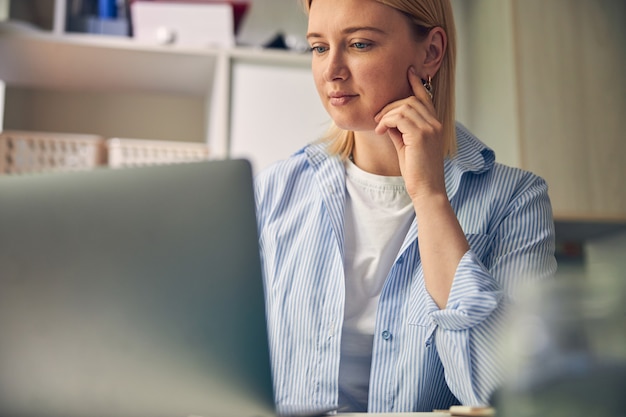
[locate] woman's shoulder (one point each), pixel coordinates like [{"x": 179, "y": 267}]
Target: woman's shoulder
[
  {"x": 491, "y": 177},
  {"x": 298, "y": 170},
  {"x": 475, "y": 156},
  {"x": 312, "y": 156},
  {"x": 297, "y": 182},
  {"x": 282, "y": 170}
]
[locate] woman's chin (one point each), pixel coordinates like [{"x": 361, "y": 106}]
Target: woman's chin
[{"x": 355, "y": 125}]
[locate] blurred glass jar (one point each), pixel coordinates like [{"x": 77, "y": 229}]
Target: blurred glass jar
[{"x": 565, "y": 351}]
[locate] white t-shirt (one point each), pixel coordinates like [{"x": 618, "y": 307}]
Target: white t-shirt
[{"x": 378, "y": 215}]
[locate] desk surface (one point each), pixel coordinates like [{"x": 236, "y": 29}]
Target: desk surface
[
  {"x": 454, "y": 411},
  {"x": 433, "y": 414}
]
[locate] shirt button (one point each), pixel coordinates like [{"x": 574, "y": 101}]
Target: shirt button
[{"x": 386, "y": 335}]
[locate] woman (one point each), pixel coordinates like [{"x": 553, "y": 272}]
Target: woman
[{"x": 392, "y": 248}]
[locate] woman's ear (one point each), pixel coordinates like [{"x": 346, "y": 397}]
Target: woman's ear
[{"x": 435, "y": 46}]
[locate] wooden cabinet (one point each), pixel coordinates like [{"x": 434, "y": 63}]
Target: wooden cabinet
[{"x": 546, "y": 90}]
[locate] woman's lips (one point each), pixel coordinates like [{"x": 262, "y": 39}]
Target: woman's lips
[{"x": 341, "y": 98}]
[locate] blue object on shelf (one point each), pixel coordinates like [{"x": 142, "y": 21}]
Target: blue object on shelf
[
  {"x": 96, "y": 25},
  {"x": 107, "y": 9}
]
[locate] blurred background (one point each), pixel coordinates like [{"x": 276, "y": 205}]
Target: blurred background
[{"x": 539, "y": 81}]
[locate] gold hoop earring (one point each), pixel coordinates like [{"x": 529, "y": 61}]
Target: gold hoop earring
[{"x": 428, "y": 85}]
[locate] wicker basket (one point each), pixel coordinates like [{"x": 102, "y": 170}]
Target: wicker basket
[
  {"x": 139, "y": 152},
  {"x": 26, "y": 152}
]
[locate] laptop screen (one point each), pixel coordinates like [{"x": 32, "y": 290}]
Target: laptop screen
[{"x": 132, "y": 292}]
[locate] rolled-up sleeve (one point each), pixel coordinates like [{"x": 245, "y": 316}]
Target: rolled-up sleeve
[{"x": 468, "y": 330}]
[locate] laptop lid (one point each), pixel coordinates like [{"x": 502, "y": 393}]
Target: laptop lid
[{"x": 134, "y": 292}]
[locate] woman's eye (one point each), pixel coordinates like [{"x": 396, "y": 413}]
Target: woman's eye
[
  {"x": 318, "y": 49},
  {"x": 361, "y": 45}
]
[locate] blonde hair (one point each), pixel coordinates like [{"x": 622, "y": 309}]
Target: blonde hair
[{"x": 425, "y": 15}]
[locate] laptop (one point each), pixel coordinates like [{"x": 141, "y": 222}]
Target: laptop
[{"x": 134, "y": 292}]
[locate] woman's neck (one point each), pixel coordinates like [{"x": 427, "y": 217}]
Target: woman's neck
[{"x": 375, "y": 154}]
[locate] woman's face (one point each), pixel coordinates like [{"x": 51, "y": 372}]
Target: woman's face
[{"x": 362, "y": 50}]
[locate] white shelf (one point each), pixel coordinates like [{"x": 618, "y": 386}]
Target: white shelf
[
  {"x": 40, "y": 59},
  {"x": 88, "y": 63},
  {"x": 149, "y": 82}
]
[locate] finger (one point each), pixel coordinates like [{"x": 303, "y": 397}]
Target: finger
[
  {"x": 400, "y": 113},
  {"x": 415, "y": 81},
  {"x": 403, "y": 118},
  {"x": 419, "y": 90},
  {"x": 395, "y": 105}
]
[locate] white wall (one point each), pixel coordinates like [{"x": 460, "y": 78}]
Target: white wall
[
  {"x": 486, "y": 96},
  {"x": 4, "y": 9},
  {"x": 109, "y": 114},
  {"x": 275, "y": 111},
  {"x": 2, "y": 90}
]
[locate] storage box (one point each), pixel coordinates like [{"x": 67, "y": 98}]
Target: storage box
[
  {"x": 183, "y": 24},
  {"x": 240, "y": 7},
  {"x": 27, "y": 152},
  {"x": 123, "y": 152}
]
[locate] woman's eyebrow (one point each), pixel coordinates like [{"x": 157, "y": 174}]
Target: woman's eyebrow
[{"x": 350, "y": 30}]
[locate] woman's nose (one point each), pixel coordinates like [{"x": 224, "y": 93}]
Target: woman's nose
[{"x": 336, "y": 68}]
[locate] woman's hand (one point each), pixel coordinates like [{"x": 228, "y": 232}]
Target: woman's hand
[{"x": 416, "y": 133}]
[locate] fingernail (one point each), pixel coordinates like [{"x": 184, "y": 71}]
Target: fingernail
[{"x": 412, "y": 69}]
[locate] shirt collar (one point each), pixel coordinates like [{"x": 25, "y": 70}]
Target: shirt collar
[
  {"x": 472, "y": 156},
  {"x": 330, "y": 175}
]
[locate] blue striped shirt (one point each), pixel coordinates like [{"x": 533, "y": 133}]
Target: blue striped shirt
[{"x": 423, "y": 358}]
